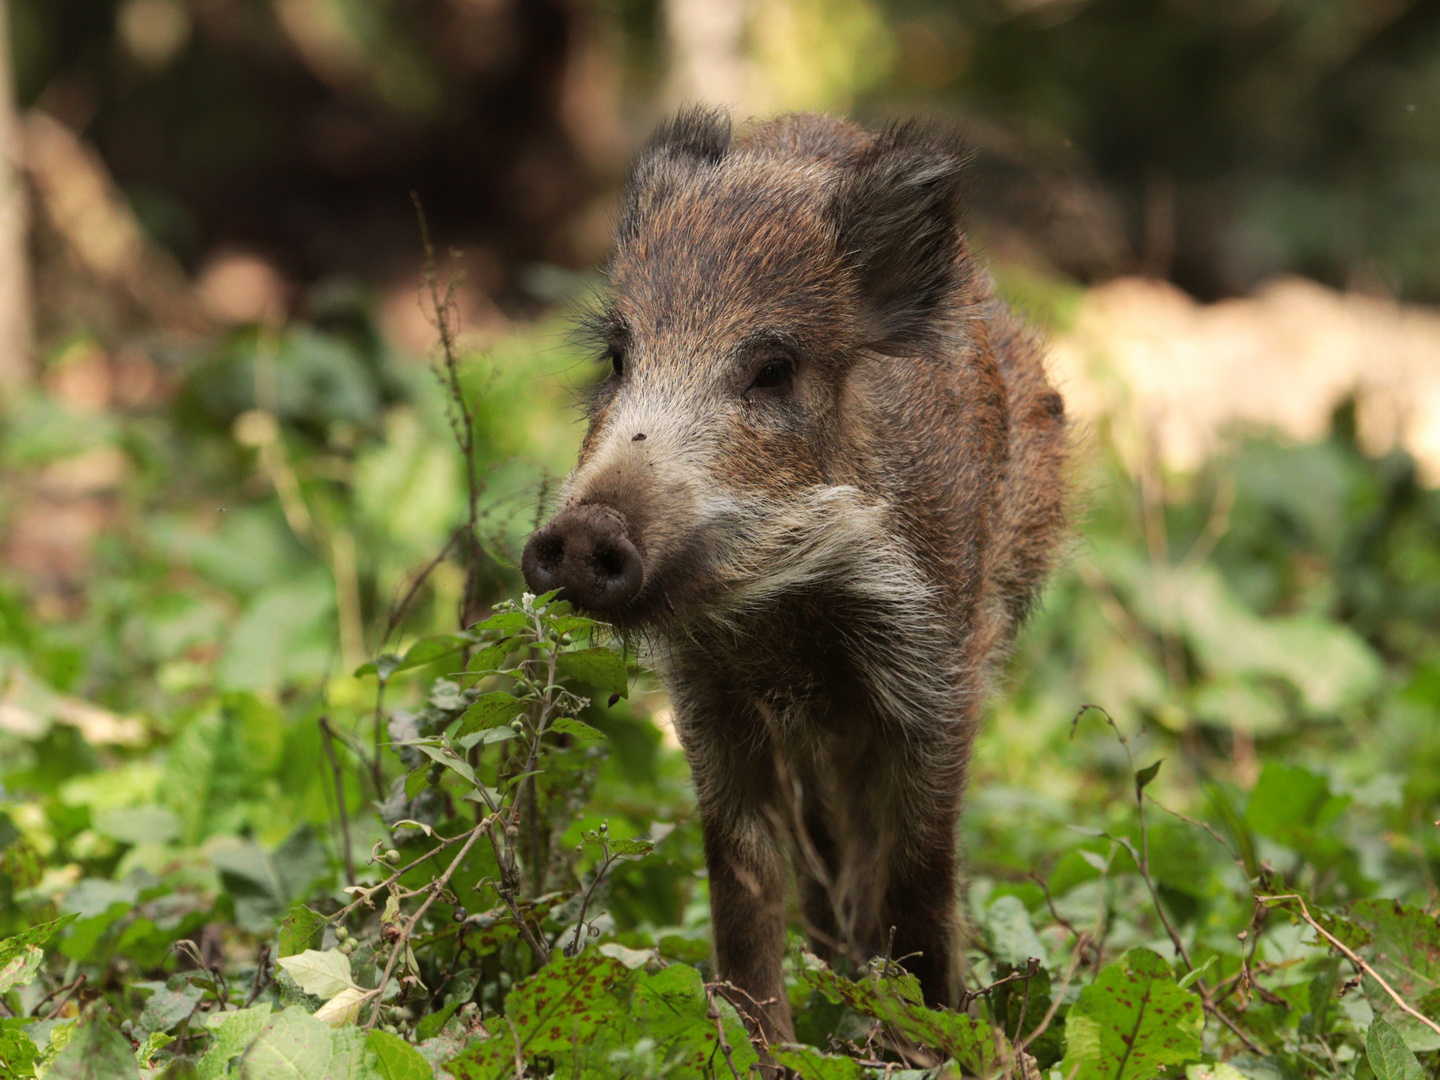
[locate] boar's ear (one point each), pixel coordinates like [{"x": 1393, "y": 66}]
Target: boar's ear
[
  {"x": 697, "y": 136},
  {"x": 897, "y": 221},
  {"x": 698, "y": 133}
]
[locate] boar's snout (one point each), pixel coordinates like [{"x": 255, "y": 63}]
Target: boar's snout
[{"x": 585, "y": 553}]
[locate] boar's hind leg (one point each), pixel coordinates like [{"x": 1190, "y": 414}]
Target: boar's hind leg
[{"x": 735, "y": 785}]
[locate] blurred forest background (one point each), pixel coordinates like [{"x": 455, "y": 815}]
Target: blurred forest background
[{"x": 223, "y": 454}]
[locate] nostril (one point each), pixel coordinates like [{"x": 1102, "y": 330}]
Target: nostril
[
  {"x": 550, "y": 552},
  {"x": 609, "y": 561}
]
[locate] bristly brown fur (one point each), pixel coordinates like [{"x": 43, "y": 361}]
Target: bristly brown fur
[{"x": 833, "y": 463}]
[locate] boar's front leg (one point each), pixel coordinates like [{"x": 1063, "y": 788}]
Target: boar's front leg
[
  {"x": 920, "y": 895},
  {"x": 735, "y": 785}
]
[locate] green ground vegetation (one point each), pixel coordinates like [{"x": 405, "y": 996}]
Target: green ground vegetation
[{"x": 297, "y": 783}]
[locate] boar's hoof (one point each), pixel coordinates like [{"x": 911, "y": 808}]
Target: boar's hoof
[{"x": 585, "y": 553}]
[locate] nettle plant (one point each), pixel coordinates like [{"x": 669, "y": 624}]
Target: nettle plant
[{"x": 501, "y": 739}]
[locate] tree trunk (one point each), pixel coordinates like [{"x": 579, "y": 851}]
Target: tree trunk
[{"x": 15, "y": 344}]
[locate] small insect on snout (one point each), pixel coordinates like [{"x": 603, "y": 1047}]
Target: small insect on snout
[{"x": 639, "y": 437}]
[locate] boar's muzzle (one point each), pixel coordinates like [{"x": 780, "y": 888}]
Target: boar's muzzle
[{"x": 585, "y": 553}]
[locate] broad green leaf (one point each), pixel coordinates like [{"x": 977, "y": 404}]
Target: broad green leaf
[
  {"x": 487, "y": 661},
  {"x": 234, "y": 1031},
  {"x": 383, "y": 666},
  {"x": 896, "y": 1001},
  {"x": 296, "y": 1046},
  {"x": 1218, "y": 1071},
  {"x": 601, "y": 668},
  {"x": 153, "y": 1044},
  {"x": 21, "y": 969},
  {"x": 345, "y": 1006},
  {"x": 564, "y": 1014},
  {"x": 266, "y": 884},
  {"x": 168, "y": 1007},
  {"x": 35, "y": 936},
  {"x": 397, "y": 1059},
  {"x": 96, "y": 1051},
  {"x": 1132, "y": 1022},
  {"x": 323, "y": 974},
  {"x": 1240, "y": 834},
  {"x": 490, "y": 710},
  {"x": 1389, "y": 1057},
  {"x": 138, "y": 824},
  {"x": 571, "y": 624},
  {"x": 631, "y": 958},
  {"x": 417, "y": 781},
  {"x": 449, "y": 760},
  {"x": 577, "y": 729},
  {"x": 505, "y": 622},
  {"x": 302, "y": 929},
  {"x": 1012, "y": 937},
  {"x": 431, "y": 648},
  {"x": 1287, "y": 802},
  {"x": 1404, "y": 948},
  {"x": 632, "y": 847},
  {"x": 670, "y": 1007},
  {"x": 18, "y": 1053},
  {"x": 812, "y": 1064}
]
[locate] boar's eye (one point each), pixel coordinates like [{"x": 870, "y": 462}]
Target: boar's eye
[
  {"x": 774, "y": 374},
  {"x": 617, "y": 360}
]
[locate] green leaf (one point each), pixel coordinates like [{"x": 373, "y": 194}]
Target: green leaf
[
  {"x": 487, "y": 661},
  {"x": 565, "y": 1014},
  {"x": 18, "y": 1053},
  {"x": 35, "y": 936},
  {"x": 490, "y": 710},
  {"x": 302, "y": 929},
  {"x": 1389, "y": 1057},
  {"x": 168, "y": 1007},
  {"x": 431, "y": 648},
  {"x": 266, "y": 884},
  {"x": 1145, "y": 775},
  {"x": 1287, "y": 802},
  {"x": 1190, "y": 977},
  {"x": 571, "y": 624},
  {"x": 1239, "y": 831},
  {"x": 417, "y": 781},
  {"x": 577, "y": 729},
  {"x": 138, "y": 824},
  {"x": 449, "y": 760},
  {"x": 383, "y": 666},
  {"x": 631, "y": 848},
  {"x": 296, "y": 1046},
  {"x": 896, "y": 1001},
  {"x": 1404, "y": 948},
  {"x": 234, "y": 1032},
  {"x": 505, "y": 621},
  {"x": 22, "y": 969},
  {"x": 397, "y": 1059},
  {"x": 1012, "y": 938},
  {"x": 323, "y": 974},
  {"x": 812, "y": 1064},
  {"x": 1132, "y": 1022},
  {"x": 601, "y": 668},
  {"x": 670, "y": 1007},
  {"x": 153, "y": 1044},
  {"x": 96, "y": 1051}
]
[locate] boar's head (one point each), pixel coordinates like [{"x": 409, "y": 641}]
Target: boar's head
[{"x": 725, "y": 445}]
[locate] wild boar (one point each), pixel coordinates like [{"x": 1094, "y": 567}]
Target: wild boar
[{"x": 822, "y": 481}]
